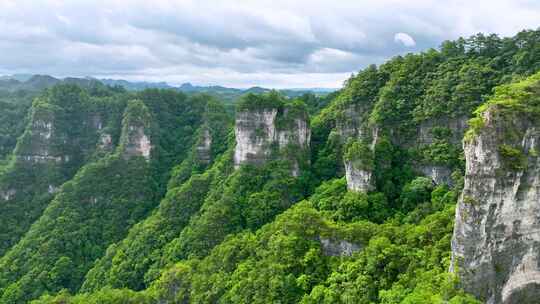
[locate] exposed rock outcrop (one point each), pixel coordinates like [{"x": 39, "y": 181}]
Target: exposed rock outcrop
[
  {"x": 105, "y": 142},
  {"x": 456, "y": 125},
  {"x": 203, "y": 148},
  {"x": 433, "y": 132},
  {"x": 255, "y": 133},
  {"x": 496, "y": 243},
  {"x": 332, "y": 247},
  {"x": 138, "y": 143},
  {"x": 272, "y": 133},
  {"x": 359, "y": 161},
  {"x": 439, "y": 174},
  {"x": 358, "y": 179},
  {"x": 294, "y": 131},
  {"x": 52, "y": 189},
  {"x": 61, "y": 135},
  {"x": 352, "y": 125},
  {"x": 7, "y": 195},
  {"x": 135, "y": 140},
  {"x": 352, "y": 122},
  {"x": 41, "y": 140}
]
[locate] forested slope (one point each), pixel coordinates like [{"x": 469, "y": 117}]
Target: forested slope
[{"x": 297, "y": 201}]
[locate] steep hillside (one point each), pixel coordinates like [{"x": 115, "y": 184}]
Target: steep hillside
[
  {"x": 72, "y": 132},
  {"x": 63, "y": 132},
  {"x": 126, "y": 263},
  {"x": 89, "y": 212},
  {"x": 13, "y": 119}
]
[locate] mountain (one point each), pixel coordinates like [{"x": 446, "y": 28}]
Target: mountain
[
  {"x": 18, "y": 77},
  {"x": 135, "y": 86},
  {"x": 229, "y": 95},
  {"x": 414, "y": 183},
  {"x": 37, "y": 83}
]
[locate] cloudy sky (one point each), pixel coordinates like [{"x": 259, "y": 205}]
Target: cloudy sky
[{"x": 238, "y": 43}]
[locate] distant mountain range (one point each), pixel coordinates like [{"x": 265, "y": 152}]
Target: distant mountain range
[
  {"x": 30, "y": 82},
  {"x": 39, "y": 82}
]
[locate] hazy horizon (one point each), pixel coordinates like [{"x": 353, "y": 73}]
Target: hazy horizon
[{"x": 27, "y": 76}]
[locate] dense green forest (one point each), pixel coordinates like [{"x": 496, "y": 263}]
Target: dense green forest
[{"x": 111, "y": 196}]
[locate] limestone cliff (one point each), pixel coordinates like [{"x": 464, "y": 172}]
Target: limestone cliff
[
  {"x": 496, "y": 243},
  {"x": 55, "y": 135},
  {"x": 42, "y": 140},
  {"x": 358, "y": 159},
  {"x": 280, "y": 132},
  {"x": 213, "y": 135},
  {"x": 135, "y": 140},
  {"x": 435, "y": 141},
  {"x": 352, "y": 125},
  {"x": 351, "y": 122},
  {"x": 203, "y": 148},
  {"x": 255, "y": 132},
  {"x": 438, "y": 140},
  {"x": 358, "y": 179}
]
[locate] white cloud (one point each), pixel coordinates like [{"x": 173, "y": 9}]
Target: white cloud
[
  {"x": 279, "y": 43},
  {"x": 64, "y": 20},
  {"x": 404, "y": 39}
]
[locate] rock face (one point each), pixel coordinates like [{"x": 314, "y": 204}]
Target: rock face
[
  {"x": 427, "y": 135},
  {"x": 267, "y": 134},
  {"x": 7, "y": 195},
  {"x": 40, "y": 138},
  {"x": 338, "y": 247},
  {"x": 351, "y": 123},
  {"x": 457, "y": 126},
  {"x": 135, "y": 139},
  {"x": 359, "y": 180},
  {"x": 255, "y": 133},
  {"x": 296, "y": 132},
  {"x": 438, "y": 174},
  {"x": 203, "y": 149},
  {"x": 105, "y": 142},
  {"x": 59, "y": 138},
  {"x": 53, "y": 137},
  {"x": 138, "y": 143},
  {"x": 359, "y": 162},
  {"x": 496, "y": 243}
]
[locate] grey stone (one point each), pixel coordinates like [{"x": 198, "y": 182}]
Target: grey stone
[
  {"x": 358, "y": 180},
  {"x": 203, "y": 149},
  {"x": 438, "y": 174},
  {"x": 496, "y": 242},
  {"x": 332, "y": 247},
  {"x": 137, "y": 143},
  {"x": 257, "y": 137}
]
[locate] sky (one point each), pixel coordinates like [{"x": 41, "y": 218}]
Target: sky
[{"x": 238, "y": 43}]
